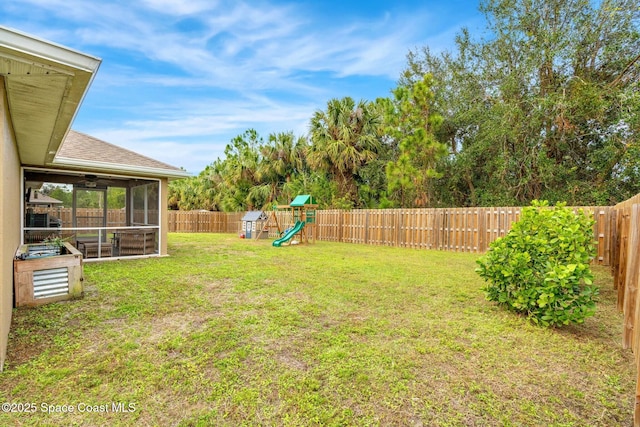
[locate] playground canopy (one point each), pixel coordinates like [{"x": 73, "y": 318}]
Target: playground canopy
[{"x": 301, "y": 200}]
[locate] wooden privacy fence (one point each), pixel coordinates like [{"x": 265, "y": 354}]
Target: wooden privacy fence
[
  {"x": 450, "y": 229},
  {"x": 115, "y": 217},
  {"x": 455, "y": 229},
  {"x": 204, "y": 221},
  {"x": 625, "y": 268}
]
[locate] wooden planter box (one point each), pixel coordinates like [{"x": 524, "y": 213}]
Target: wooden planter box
[
  {"x": 90, "y": 249},
  {"x": 40, "y": 281},
  {"x": 136, "y": 242}
]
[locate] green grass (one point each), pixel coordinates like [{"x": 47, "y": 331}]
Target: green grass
[{"x": 234, "y": 332}]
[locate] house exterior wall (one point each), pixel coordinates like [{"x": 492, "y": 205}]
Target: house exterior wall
[{"x": 9, "y": 217}]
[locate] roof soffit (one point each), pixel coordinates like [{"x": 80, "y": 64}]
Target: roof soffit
[{"x": 45, "y": 84}]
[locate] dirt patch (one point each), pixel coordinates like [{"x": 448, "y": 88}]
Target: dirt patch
[{"x": 174, "y": 323}]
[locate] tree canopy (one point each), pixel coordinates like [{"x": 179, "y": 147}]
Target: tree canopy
[{"x": 545, "y": 104}]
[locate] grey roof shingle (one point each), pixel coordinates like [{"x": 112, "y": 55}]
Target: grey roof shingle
[
  {"x": 80, "y": 146},
  {"x": 36, "y": 198},
  {"x": 255, "y": 216}
]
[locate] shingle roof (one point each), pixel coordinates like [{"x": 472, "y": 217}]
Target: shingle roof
[
  {"x": 81, "y": 146},
  {"x": 255, "y": 216},
  {"x": 36, "y": 198}
]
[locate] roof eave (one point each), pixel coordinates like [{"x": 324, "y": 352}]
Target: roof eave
[
  {"x": 104, "y": 167},
  {"x": 46, "y": 50}
]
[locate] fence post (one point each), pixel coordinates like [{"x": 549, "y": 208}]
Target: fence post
[
  {"x": 631, "y": 281},
  {"x": 482, "y": 230},
  {"x": 615, "y": 246},
  {"x": 623, "y": 222},
  {"x": 605, "y": 226},
  {"x": 366, "y": 227}
]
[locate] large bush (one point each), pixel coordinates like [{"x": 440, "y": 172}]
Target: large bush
[{"x": 541, "y": 267}]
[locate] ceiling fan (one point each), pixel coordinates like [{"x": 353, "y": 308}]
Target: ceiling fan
[{"x": 92, "y": 181}]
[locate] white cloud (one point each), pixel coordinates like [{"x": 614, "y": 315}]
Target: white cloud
[
  {"x": 180, "y": 7},
  {"x": 239, "y": 40},
  {"x": 210, "y": 123}
]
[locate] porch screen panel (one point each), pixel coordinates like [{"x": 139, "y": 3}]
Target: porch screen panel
[{"x": 145, "y": 203}]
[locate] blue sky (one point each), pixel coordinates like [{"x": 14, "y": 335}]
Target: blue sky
[{"x": 180, "y": 78}]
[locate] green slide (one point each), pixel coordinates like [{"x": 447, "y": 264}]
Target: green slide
[{"x": 289, "y": 234}]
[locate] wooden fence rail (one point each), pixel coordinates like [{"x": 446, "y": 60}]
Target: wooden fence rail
[
  {"x": 115, "y": 217},
  {"x": 179, "y": 221}
]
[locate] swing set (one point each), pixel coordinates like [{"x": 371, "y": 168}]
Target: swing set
[{"x": 301, "y": 222}]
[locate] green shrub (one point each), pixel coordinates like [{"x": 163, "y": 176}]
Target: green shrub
[{"x": 541, "y": 267}]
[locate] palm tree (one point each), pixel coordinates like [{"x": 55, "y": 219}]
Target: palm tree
[
  {"x": 282, "y": 160},
  {"x": 344, "y": 138},
  {"x": 237, "y": 173}
]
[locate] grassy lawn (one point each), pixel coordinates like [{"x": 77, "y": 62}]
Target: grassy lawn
[{"x": 235, "y": 332}]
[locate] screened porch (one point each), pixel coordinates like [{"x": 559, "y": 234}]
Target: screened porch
[{"x": 103, "y": 216}]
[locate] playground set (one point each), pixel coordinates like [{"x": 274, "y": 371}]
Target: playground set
[{"x": 301, "y": 222}]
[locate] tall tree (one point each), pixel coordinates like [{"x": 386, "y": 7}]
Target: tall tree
[
  {"x": 411, "y": 122},
  {"x": 344, "y": 138},
  {"x": 235, "y": 175},
  {"x": 541, "y": 108},
  {"x": 282, "y": 160}
]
